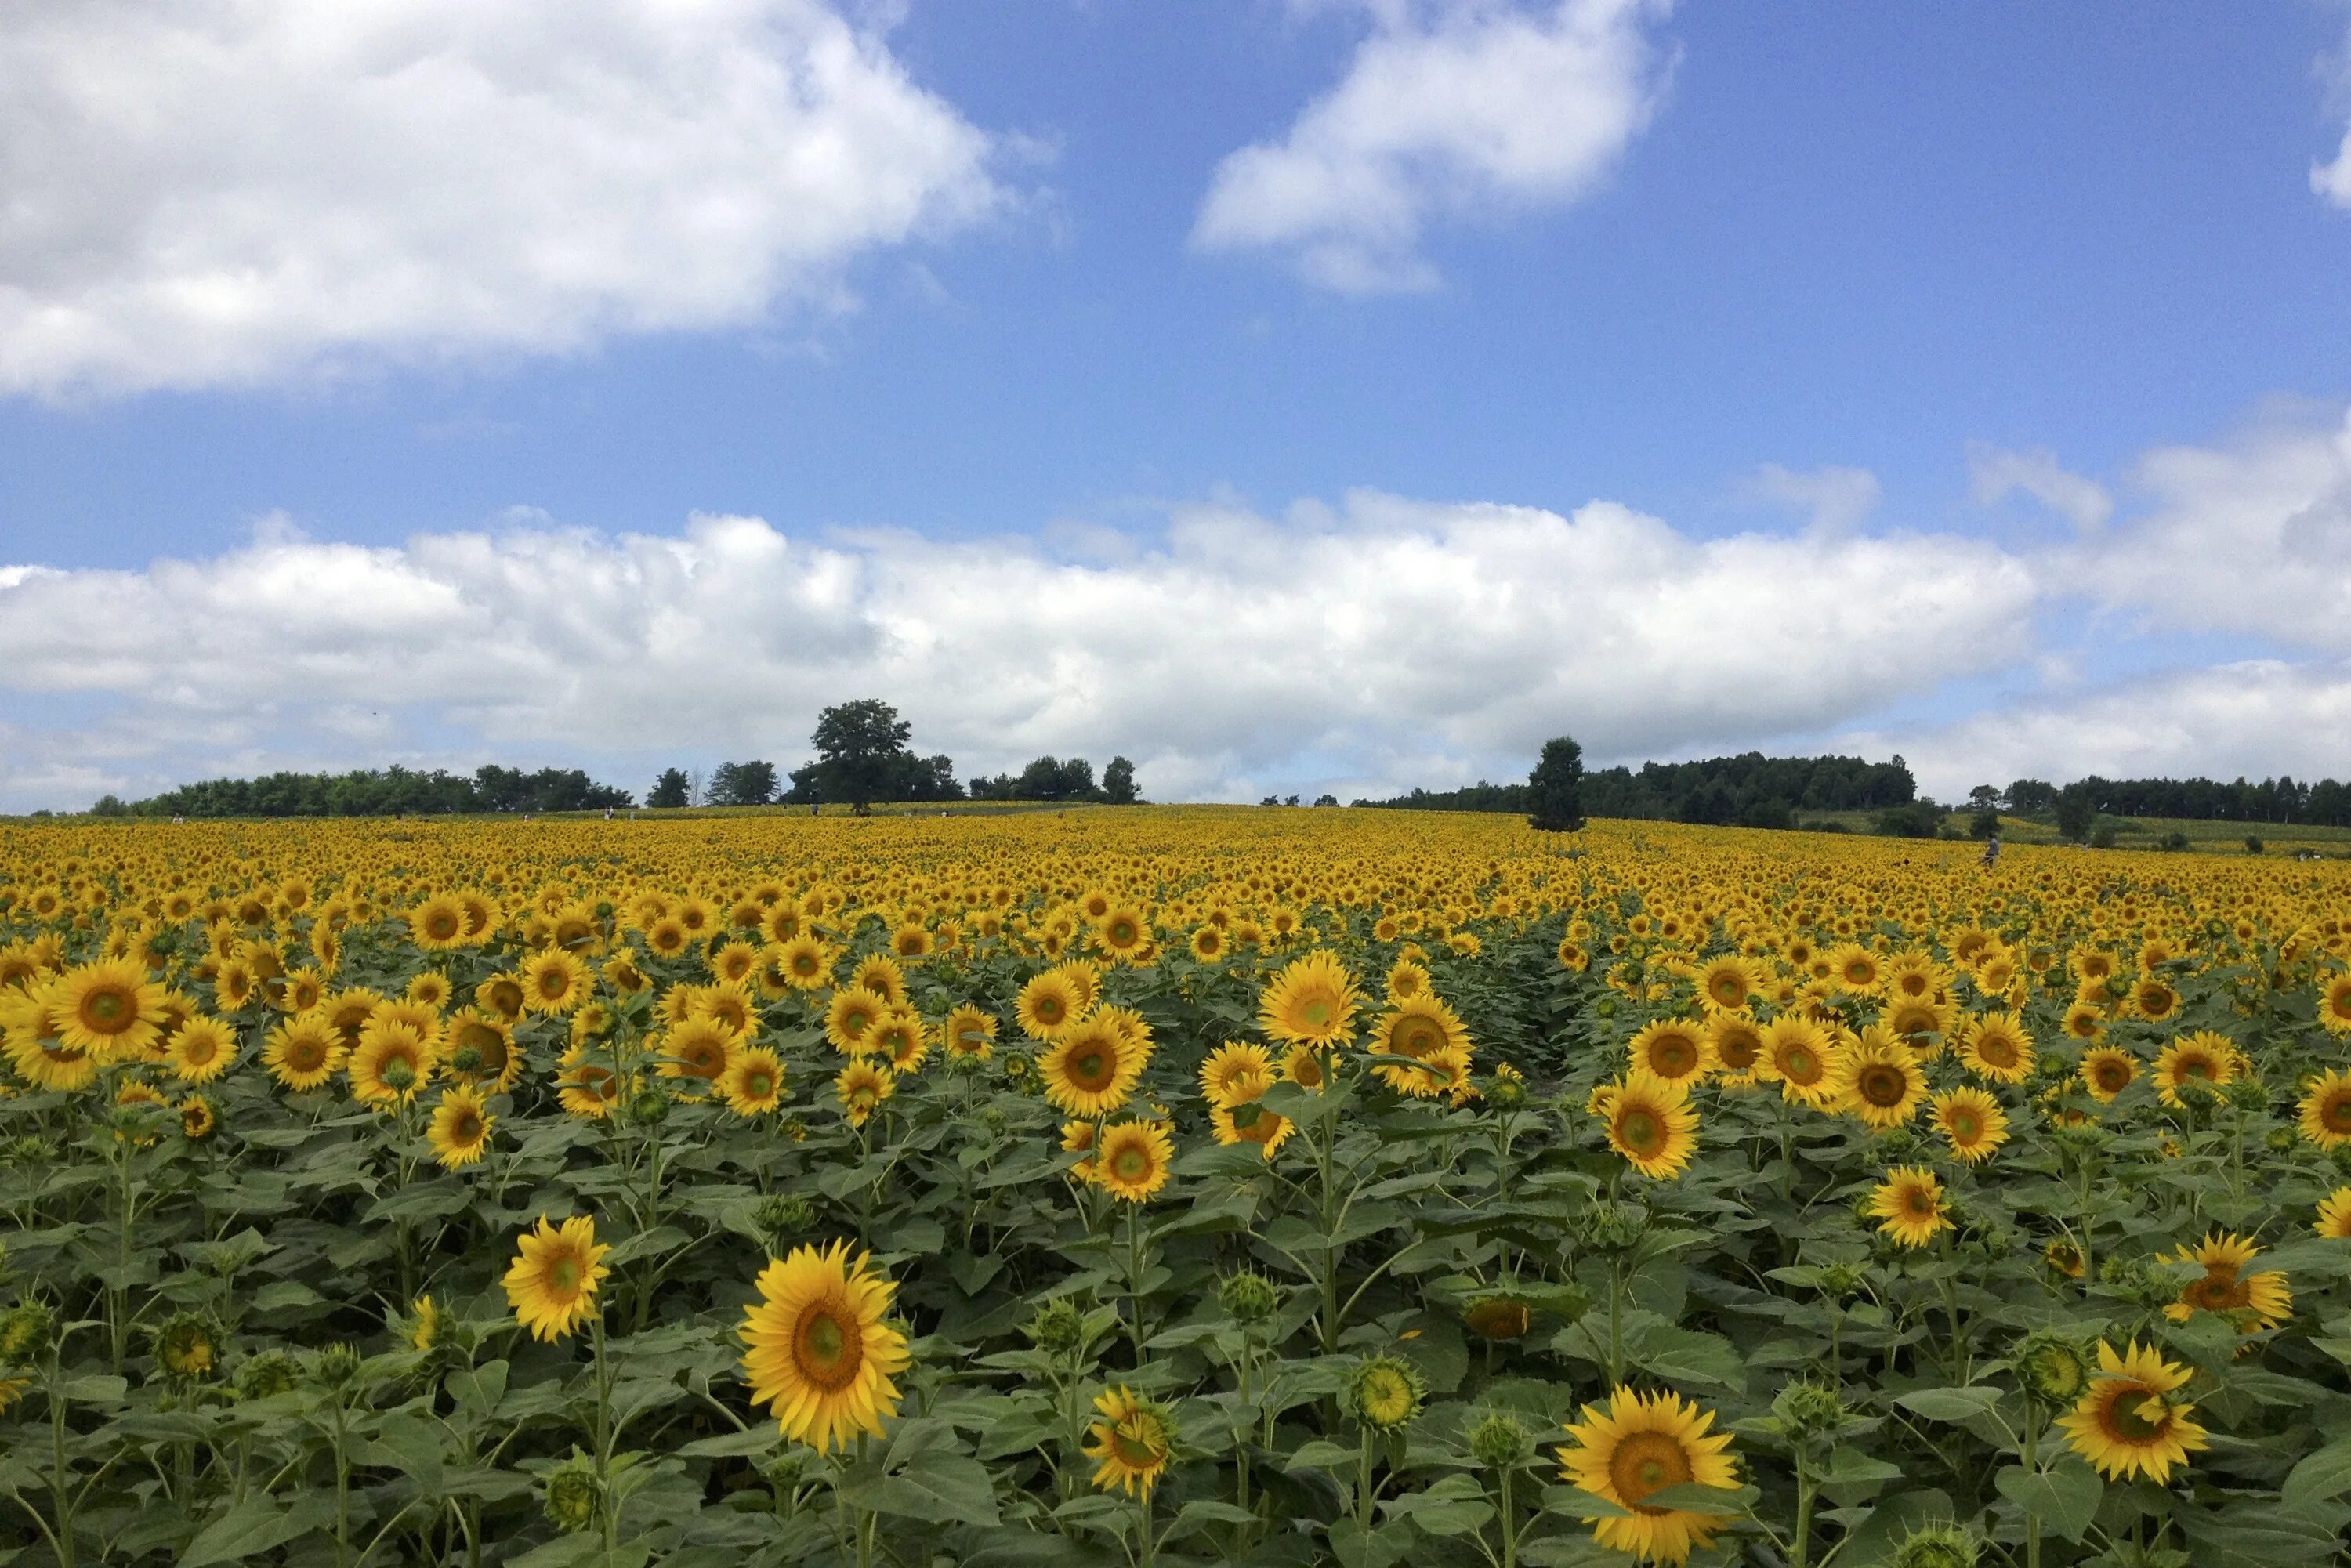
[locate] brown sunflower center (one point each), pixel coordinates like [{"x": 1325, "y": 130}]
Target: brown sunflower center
[
  {"x": 1884, "y": 1086},
  {"x": 1640, "y": 1129},
  {"x": 827, "y": 1346},
  {"x": 1646, "y": 1462}
]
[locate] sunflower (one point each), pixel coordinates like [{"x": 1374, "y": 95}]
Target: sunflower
[
  {"x": 1997, "y": 1047},
  {"x": 1879, "y": 1080},
  {"x": 881, "y": 974},
  {"x": 393, "y": 1064},
  {"x": 1385, "y": 1393},
  {"x": 898, "y": 1034},
  {"x": 1856, "y": 970},
  {"x": 554, "y": 980},
  {"x": 1208, "y": 943},
  {"x": 2325, "y": 1118},
  {"x": 1971, "y": 1122},
  {"x": 1725, "y": 983},
  {"x": 2127, "y": 1423},
  {"x": 1908, "y": 1205},
  {"x": 2253, "y": 1301},
  {"x": 438, "y": 924},
  {"x": 201, "y": 1049},
  {"x": 460, "y": 1130},
  {"x": 1406, "y": 980},
  {"x": 108, "y": 1010},
  {"x": 2333, "y": 1220},
  {"x": 1079, "y": 1138},
  {"x": 424, "y": 1325},
  {"x": 1132, "y": 1160},
  {"x": 1123, "y": 933},
  {"x": 2153, "y": 998},
  {"x": 969, "y": 1031},
  {"x": 1921, "y": 1023},
  {"x": 1737, "y": 1043},
  {"x": 552, "y": 1285},
  {"x": 2335, "y": 1003},
  {"x": 588, "y": 1088},
  {"x": 1133, "y": 1437},
  {"x": 734, "y": 963},
  {"x": 304, "y": 1052},
  {"x": 2085, "y": 1021},
  {"x": 479, "y": 1048},
  {"x": 697, "y": 1049},
  {"x": 850, "y": 1017},
  {"x": 1311, "y": 1002},
  {"x": 1422, "y": 1029},
  {"x": 1090, "y": 1071},
  {"x": 1800, "y": 1056},
  {"x": 2106, "y": 1070},
  {"x": 1236, "y": 1071},
  {"x": 1051, "y": 1002},
  {"x": 1650, "y": 1123},
  {"x": 1676, "y": 1051},
  {"x": 860, "y": 1087},
  {"x": 817, "y": 1351},
  {"x": 804, "y": 961},
  {"x": 197, "y": 1119},
  {"x": 2203, "y": 1058},
  {"x": 1639, "y": 1445},
  {"x": 754, "y": 1080}
]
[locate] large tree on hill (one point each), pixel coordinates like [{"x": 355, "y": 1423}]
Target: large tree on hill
[
  {"x": 672, "y": 789},
  {"x": 1555, "y": 789},
  {"x": 1118, "y": 782},
  {"x": 860, "y": 751}
]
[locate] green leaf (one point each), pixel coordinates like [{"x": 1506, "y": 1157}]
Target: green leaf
[
  {"x": 255, "y": 1526},
  {"x": 2319, "y": 1476},
  {"x": 1953, "y": 1404},
  {"x": 938, "y": 1487},
  {"x": 1690, "y": 1497},
  {"x": 2065, "y": 1496}
]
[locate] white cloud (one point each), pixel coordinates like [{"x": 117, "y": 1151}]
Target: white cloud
[
  {"x": 2254, "y": 719},
  {"x": 2333, "y": 181},
  {"x": 2252, "y": 537},
  {"x": 1994, "y": 473},
  {"x": 1834, "y": 501},
  {"x": 1355, "y": 640},
  {"x": 221, "y": 192},
  {"x": 1460, "y": 108}
]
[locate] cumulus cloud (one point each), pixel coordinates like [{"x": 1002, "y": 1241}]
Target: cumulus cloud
[
  {"x": 2255, "y": 718},
  {"x": 2250, "y": 537},
  {"x": 216, "y": 193},
  {"x": 1832, "y": 500},
  {"x": 1456, "y": 107},
  {"x": 1354, "y": 641},
  {"x": 1994, "y": 473}
]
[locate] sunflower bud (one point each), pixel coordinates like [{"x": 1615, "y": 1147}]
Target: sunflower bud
[
  {"x": 2280, "y": 1140},
  {"x": 573, "y": 1495},
  {"x": 1385, "y": 1394},
  {"x": 271, "y": 1371},
  {"x": 1937, "y": 1546},
  {"x": 785, "y": 1214},
  {"x": 26, "y": 1332},
  {"x": 1807, "y": 1410},
  {"x": 1896, "y": 1145},
  {"x": 1057, "y": 1328},
  {"x": 1249, "y": 1298},
  {"x": 187, "y": 1347},
  {"x": 1507, "y": 1091},
  {"x": 1605, "y": 1007},
  {"x": 337, "y": 1366},
  {"x": 1499, "y": 1440},
  {"x": 2051, "y": 1366},
  {"x": 650, "y": 1107},
  {"x": 1611, "y": 1226},
  {"x": 2248, "y": 1093},
  {"x": 1842, "y": 1281}
]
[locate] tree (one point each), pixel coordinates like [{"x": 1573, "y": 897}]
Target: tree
[
  {"x": 1555, "y": 788},
  {"x": 672, "y": 789},
  {"x": 2029, "y": 797},
  {"x": 1118, "y": 782},
  {"x": 1326, "y": 799},
  {"x": 1985, "y": 822},
  {"x": 743, "y": 784},
  {"x": 859, "y": 747},
  {"x": 1056, "y": 778},
  {"x": 1983, "y": 796},
  {"x": 2077, "y": 806}
]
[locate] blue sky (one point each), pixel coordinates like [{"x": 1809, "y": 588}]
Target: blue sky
[{"x": 1898, "y": 241}]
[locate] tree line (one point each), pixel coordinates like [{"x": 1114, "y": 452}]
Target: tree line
[
  {"x": 1750, "y": 789},
  {"x": 862, "y": 756},
  {"x": 377, "y": 793},
  {"x": 2279, "y": 800}
]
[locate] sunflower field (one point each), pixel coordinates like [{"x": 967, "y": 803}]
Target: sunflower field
[{"x": 1164, "y": 1186}]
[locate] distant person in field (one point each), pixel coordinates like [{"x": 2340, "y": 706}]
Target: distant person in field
[{"x": 1992, "y": 851}]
